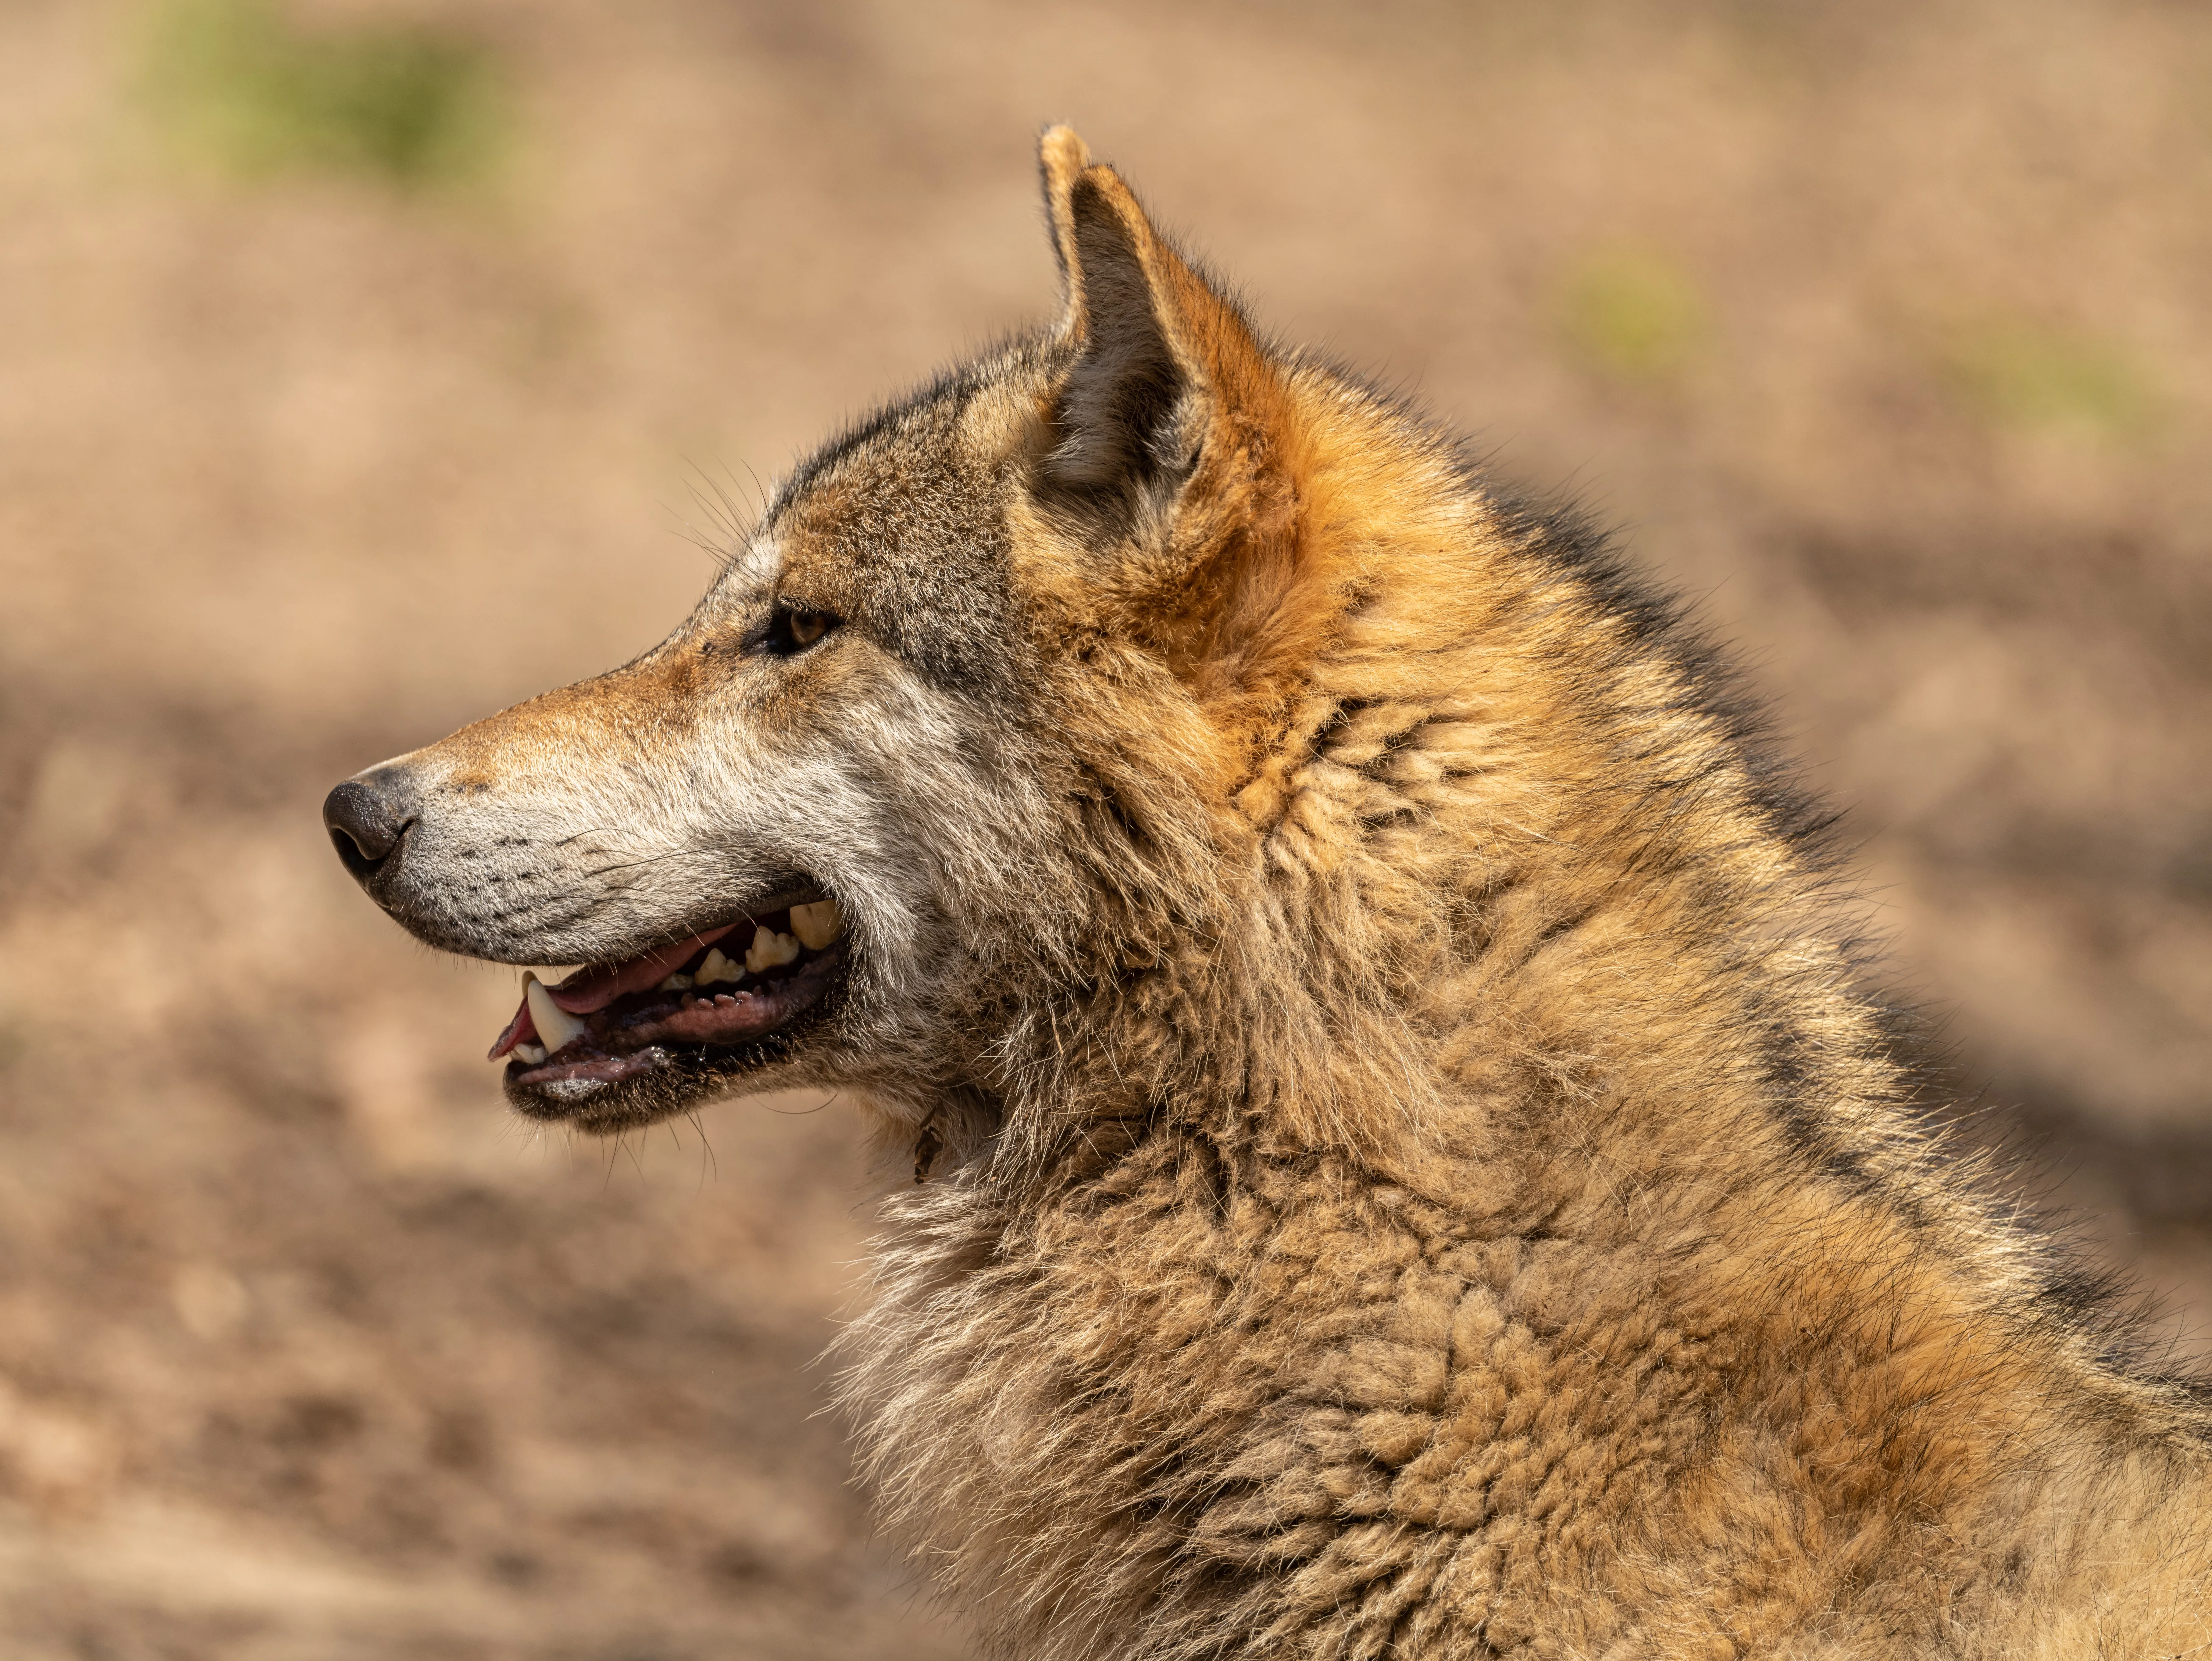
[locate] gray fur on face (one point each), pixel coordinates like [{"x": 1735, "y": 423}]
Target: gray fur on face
[{"x": 887, "y": 766}]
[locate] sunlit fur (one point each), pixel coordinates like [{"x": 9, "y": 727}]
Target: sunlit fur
[{"x": 1411, "y": 1167}]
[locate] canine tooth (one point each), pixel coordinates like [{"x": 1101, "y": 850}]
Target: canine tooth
[
  {"x": 530, "y": 1054},
  {"x": 716, "y": 968},
  {"x": 769, "y": 950},
  {"x": 557, "y": 1027},
  {"x": 674, "y": 983},
  {"x": 818, "y": 924}
]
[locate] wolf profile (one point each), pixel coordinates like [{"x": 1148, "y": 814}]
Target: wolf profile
[{"x": 1403, "y": 1158}]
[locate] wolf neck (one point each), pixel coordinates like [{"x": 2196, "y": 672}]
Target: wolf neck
[
  {"x": 1521, "y": 920},
  {"x": 1490, "y": 847}
]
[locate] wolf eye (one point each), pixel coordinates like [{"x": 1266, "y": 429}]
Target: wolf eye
[{"x": 790, "y": 630}]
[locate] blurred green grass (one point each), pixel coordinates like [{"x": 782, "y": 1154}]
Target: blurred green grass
[
  {"x": 1633, "y": 313},
  {"x": 239, "y": 84},
  {"x": 2018, "y": 374}
]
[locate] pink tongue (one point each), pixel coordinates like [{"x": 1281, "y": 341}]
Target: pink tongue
[
  {"x": 588, "y": 989},
  {"x": 520, "y": 1030}
]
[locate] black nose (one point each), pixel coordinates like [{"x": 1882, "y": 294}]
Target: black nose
[{"x": 366, "y": 823}]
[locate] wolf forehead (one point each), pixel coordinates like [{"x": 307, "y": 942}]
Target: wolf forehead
[{"x": 904, "y": 526}]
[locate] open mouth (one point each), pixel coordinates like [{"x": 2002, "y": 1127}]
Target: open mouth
[{"x": 715, "y": 999}]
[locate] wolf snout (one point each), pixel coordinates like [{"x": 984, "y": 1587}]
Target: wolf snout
[{"x": 367, "y": 817}]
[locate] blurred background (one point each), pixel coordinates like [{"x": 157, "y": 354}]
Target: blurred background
[{"x": 366, "y": 366}]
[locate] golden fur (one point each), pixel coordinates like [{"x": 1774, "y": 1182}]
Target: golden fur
[{"x": 1411, "y": 1166}]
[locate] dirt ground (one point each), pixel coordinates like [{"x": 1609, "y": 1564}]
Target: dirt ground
[{"x": 1880, "y": 329}]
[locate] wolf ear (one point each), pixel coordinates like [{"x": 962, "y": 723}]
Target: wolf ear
[
  {"x": 1167, "y": 386},
  {"x": 1137, "y": 313}
]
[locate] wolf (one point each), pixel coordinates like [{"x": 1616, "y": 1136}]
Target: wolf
[{"x": 1395, "y": 1150}]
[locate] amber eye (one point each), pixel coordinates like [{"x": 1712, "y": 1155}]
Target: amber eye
[{"x": 790, "y": 630}]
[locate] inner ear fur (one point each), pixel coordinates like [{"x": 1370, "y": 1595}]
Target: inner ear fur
[{"x": 1117, "y": 415}]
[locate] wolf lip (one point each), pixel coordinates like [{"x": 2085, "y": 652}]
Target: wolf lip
[{"x": 609, "y": 1022}]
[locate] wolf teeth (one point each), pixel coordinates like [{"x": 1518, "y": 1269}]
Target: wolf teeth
[
  {"x": 715, "y": 968},
  {"x": 769, "y": 950},
  {"x": 530, "y": 1054},
  {"x": 556, "y": 1026},
  {"x": 675, "y": 983},
  {"x": 818, "y": 924}
]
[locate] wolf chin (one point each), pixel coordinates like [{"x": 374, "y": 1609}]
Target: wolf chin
[{"x": 1402, "y": 1160}]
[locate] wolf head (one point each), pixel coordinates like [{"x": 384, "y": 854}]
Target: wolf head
[{"x": 989, "y": 697}]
